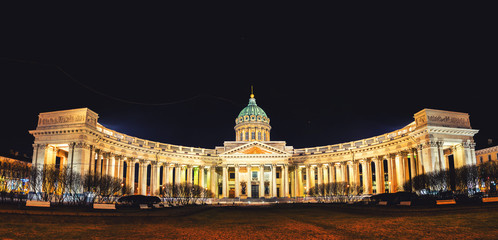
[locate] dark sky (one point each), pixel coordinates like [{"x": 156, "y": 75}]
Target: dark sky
[{"x": 324, "y": 75}]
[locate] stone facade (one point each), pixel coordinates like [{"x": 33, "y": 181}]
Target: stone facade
[{"x": 250, "y": 168}]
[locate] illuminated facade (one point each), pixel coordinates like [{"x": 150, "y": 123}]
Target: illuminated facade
[
  {"x": 487, "y": 155},
  {"x": 252, "y": 166}
]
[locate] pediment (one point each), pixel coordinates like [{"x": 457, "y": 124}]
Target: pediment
[{"x": 255, "y": 148}]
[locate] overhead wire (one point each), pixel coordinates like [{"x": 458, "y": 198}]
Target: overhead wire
[{"x": 122, "y": 99}]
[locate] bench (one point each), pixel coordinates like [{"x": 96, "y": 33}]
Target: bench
[
  {"x": 383, "y": 203},
  {"x": 103, "y": 206},
  {"x": 490, "y": 199},
  {"x": 445, "y": 202},
  {"x": 405, "y": 203},
  {"x": 30, "y": 203}
]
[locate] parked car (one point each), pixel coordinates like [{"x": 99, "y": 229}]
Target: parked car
[{"x": 134, "y": 201}]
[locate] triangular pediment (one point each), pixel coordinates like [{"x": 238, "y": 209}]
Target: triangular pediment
[{"x": 255, "y": 148}]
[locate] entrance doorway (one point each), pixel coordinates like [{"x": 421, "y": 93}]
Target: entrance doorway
[
  {"x": 231, "y": 193},
  {"x": 451, "y": 167},
  {"x": 255, "y": 191}
]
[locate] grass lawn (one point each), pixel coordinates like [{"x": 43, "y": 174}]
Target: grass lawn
[{"x": 276, "y": 222}]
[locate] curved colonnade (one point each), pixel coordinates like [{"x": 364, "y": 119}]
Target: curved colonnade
[{"x": 248, "y": 169}]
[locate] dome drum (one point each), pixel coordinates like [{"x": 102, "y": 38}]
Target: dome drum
[{"x": 252, "y": 123}]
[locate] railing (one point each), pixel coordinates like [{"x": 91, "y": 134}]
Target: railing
[
  {"x": 358, "y": 143},
  {"x": 138, "y": 142}
]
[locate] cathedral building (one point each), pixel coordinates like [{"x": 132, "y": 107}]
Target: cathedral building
[{"x": 253, "y": 166}]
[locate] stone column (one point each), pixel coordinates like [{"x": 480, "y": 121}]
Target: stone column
[
  {"x": 413, "y": 168},
  {"x": 142, "y": 180},
  {"x": 420, "y": 162},
  {"x": 432, "y": 150},
  {"x": 91, "y": 164},
  {"x": 117, "y": 167},
  {"x": 392, "y": 174},
  {"x": 225, "y": 182},
  {"x": 105, "y": 159},
  {"x": 467, "y": 150},
  {"x": 261, "y": 181},
  {"x": 379, "y": 176},
  {"x": 472, "y": 146},
  {"x": 344, "y": 172},
  {"x": 286, "y": 180},
  {"x": 414, "y": 162},
  {"x": 389, "y": 173},
  {"x": 237, "y": 181},
  {"x": 189, "y": 174},
  {"x": 99, "y": 163},
  {"x": 201, "y": 176},
  {"x": 274, "y": 180},
  {"x": 308, "y": 178},
  {"x": 132, "y": 175},
  {"x": 178, "y": 173},
  {"x": 338, "y": 174},
  {"x": 154, "y": 179},
  {"x": 442, "y": 162},
  {"x": 351, "y": 173},
  {"x": 399, "y": 171},
  {"x": 299, "y": 182},
  {"x": 365, "y": 175},
  {"x": 356, "y": 173},
  {"x": 249, "y": 182},
  {"x": 166, "y": 173},
  {"x": 312, "y": 176},
  {"x": 320, "y": 174},
  {"x": 214, "y": 180},
  {"x": 331, "y": 173}
]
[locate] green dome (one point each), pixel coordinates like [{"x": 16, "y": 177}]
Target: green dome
[{"x": 252, "y": 113}]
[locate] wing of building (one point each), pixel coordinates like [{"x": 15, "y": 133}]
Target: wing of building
[{"x": 253, "y": 166}]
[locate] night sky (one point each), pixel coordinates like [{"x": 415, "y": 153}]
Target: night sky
[{"x": 181, "y": 76}]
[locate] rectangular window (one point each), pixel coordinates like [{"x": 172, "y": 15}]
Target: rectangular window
[
  {"x": 57, "y": 162},
  {"x": 253, "y": 136},
  {"x": 232, "y": 175},
  {"x": 254, "y": 176},
  {"x": 259, "y": 136},
  {"x": 489, "y": 157},
  {"x": 247, "y": 136},
  {"x": 278, "y": 174}
]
